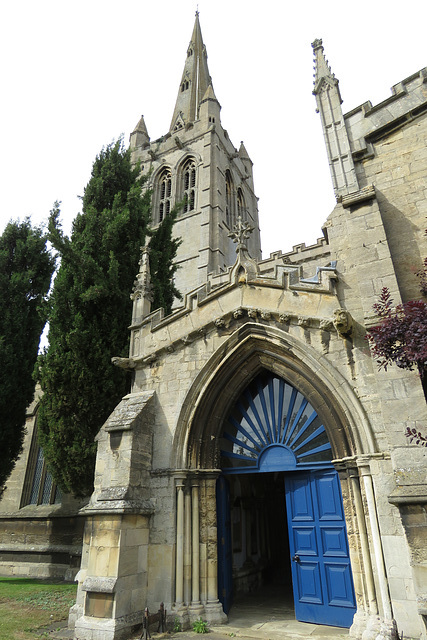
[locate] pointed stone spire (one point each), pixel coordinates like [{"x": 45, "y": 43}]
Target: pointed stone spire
[
  {"x": 209, "y": 94},
  {"x": 328, "y": 99},
  {"x": 243, "y": 153},
  {"x": 210, "y": 109},
  {"x": 139, "y": 136},
  {"x": 248, "y": 164},
  {"x": 194, "y": 82}
]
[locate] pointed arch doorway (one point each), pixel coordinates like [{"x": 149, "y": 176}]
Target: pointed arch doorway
[{"x": 279, "y": 505}]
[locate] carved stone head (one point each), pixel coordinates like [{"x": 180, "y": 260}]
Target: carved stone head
[{"x": 343, "y": 322}]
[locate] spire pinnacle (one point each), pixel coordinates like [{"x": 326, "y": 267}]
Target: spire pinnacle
[
  {"x": 139, "y": 136},
  {"x": 322, "y": 70},
  {"x": 194, "y": 82}
]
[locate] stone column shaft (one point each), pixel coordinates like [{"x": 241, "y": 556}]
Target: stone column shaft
[
  {"x": 364, "y": 544},
  {"x": 196, "y": 546},
  {"x": 377, "y": 546},
  {"x": 212, "y": 595},
  {"x": 187, "y": 548},
  {"x": 179, "y": 575}
]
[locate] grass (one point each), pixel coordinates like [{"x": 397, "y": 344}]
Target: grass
[{"x": 28, "y": 606}]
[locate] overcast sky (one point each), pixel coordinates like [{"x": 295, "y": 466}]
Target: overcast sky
[{"x": 76, "y": 75}]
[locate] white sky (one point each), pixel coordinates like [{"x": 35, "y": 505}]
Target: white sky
[{"x": 75, "y": 75}]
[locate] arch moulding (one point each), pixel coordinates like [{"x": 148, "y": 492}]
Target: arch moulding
[{"x": 249, "y": 350}]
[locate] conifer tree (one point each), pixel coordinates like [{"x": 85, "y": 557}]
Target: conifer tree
[
  {"x": 163, "y": 248},
  {"x": 91, "y": 311},
  {"x": 26, "y": 268}
]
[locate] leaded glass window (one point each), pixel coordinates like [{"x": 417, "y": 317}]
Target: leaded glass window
[{"x": 39, "y": 487}]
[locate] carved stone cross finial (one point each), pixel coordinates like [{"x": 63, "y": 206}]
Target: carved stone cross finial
[{"x": 241, "y": 231}]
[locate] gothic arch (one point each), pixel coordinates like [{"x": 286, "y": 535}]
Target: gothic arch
[
  {"x": 250, "y": 350},
  {"x": 162, "y": 194},
  {"x": 187, "y": 183}
]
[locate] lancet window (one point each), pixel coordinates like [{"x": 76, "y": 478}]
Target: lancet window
[
  {"x": 189, "y": 185},
  {"x": 164, "y": 194},
  {"x": 241, "y": 208},
  {"x": 229, "y": 199}
]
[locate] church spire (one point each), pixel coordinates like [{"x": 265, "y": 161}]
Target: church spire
[{"x": 194, "y": 82}]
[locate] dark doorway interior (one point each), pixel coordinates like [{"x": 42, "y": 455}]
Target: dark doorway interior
[{"x": 259, "y": 538}]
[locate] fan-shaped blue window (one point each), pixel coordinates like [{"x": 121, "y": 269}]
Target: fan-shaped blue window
[{"x": 273, "y": 427}]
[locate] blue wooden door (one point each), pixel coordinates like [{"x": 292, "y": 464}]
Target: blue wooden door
[
  {"x": 225, "y": 577},
  {"x": 321, "y": 571}
]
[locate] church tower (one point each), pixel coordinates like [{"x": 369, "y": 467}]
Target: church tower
[{"x": 196, "y": 164}]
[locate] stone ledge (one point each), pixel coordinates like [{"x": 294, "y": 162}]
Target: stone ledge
[
  {"x": 100, "y": 585},
  {"x": 120, "y": 507},
  {"x": 410, "y": 494},
  {"x": 358, "y": 197}
]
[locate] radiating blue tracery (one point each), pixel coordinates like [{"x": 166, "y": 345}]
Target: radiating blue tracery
[{"x": 273, "y": 427}]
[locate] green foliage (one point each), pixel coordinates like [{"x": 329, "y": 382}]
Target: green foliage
[
  {"x": 199, "y": 626},
  {"x": 26, "y": 268},
  {"x": 163, "y": 248},
  {"x": 177, "y": 626},
  {"x": 90, "y": 314}
]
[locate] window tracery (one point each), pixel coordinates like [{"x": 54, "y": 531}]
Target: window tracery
[
  {"x": 164, "y": 194},
  {"x": 189, "y": 185}
]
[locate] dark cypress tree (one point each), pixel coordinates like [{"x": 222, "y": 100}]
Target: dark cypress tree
[
  {"x": 163, "y": 248},
  {"x": 91, "y": 311},
  {"x": 26, "y": 269}
]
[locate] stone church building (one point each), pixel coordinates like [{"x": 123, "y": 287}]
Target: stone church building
[{"x": 259, "y": 445}]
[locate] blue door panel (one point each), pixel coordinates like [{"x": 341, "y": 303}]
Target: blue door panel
[
  {"x": 329, "y": 498},
  {"x": 334, "y": 541},
  {"x": 300, "y": 496},
  {"x": 308, "y": 576},
  {"x": 339, "y": 585},
  {"x": 305, "y": 541},
  {"x": 321, "y": 570}
]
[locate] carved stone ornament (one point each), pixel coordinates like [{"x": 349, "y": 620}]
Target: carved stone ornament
[
  {"x": 219, "y": 323},
  {"x": 241, "y": 232},
  {"x": 303, "y": 321},
  {"x": 265, "y": 315},
  {"x": 343, "y": 322},
  {"x": 238, "y": 313},
  {"x": 142, "y": 285},
  {"x": 284, "y": 317},
  {"x": 252, "y": 313},
  {"x": 326, "y": 325}
]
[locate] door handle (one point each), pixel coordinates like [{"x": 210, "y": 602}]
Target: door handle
[{"x": 296, "y": 558}]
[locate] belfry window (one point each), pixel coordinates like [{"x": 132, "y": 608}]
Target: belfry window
[
  {"x": 39, "y": 487},
  {"x": 189, "y": 185},
  {"x": 164, "y": 194}
]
